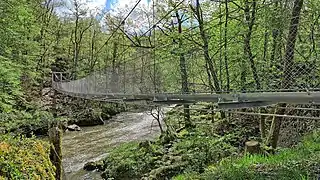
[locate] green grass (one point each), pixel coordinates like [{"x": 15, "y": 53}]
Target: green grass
[{"x": 302, "y": 162}]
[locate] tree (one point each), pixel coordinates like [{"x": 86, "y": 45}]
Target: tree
[
  {"x": 250, "y": 21},
  {"x": 211, "y": 70},
  {"x": 183, "y": 68},
  {"x": 287, "y": 80},
  {"x": 80, "y": 27}
]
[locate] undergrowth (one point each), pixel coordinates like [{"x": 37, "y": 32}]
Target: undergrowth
[
  {"x": 211, "y": 149},
  {"x": 178, "y": 150},
  {"x": 25, "y": 158},
  {"x": 191, "y": 151},
  {"x": 301, "y": 162}
]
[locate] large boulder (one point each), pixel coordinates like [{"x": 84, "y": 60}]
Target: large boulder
[
  {"x": 90, "y": 166},
  {"x": 73, "y": 127}
]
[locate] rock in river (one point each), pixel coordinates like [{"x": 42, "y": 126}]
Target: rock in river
[
  {"x": 90, "y": 166},
  {"x": 73, "y": 127}
]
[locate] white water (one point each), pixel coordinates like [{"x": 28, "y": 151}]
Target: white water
[{"x": 93, "y": 143}]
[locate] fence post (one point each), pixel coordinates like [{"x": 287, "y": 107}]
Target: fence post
[{"x": 55, "y": 136}]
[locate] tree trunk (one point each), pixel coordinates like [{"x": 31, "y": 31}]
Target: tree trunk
[
  {"x": 115, "y": 74},
  {"x": 265, "y": 53},
  {"x": 262, "y": 124},
  {"x": 289, "y": 54},
  {"x": 225, "y": 46},
  {"x": 92, "y": 50},
  {"x": 287, "y": 80},
  {"x": 75, "y": 41},
  {"x": 198, "y": 12},
  {"x": 252, "y": 147},
  {"x": 184, "y": 74},
  {"x": 55, "y": 137},
  {"x": 243, "y": 75},
  {"x": 247, "y": 46}
]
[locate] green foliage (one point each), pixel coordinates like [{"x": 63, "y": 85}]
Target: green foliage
[
  {"x": 19, "y": 52},
  {"x": 35, "y": 122},
  {"x": 15, "y": 112},
  {"x": 10, "y": 89},
  {"x": 199, "y": 149},
  {"x": 34, "y": 41},
  {"x": 189, "y": 151},
  {"x": 18, "y": 26},
  {"x": 24, "y": 158},
  {"x": 130, "y": 160},
  {"x": 302, "y": 162},
  {"x": 210, "y": 151}
]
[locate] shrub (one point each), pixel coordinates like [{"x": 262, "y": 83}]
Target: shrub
[
  {"x": 301, "y": 162},
  {"x": 200, "y": 149},
  {"x": 10, "y": 88},
  {"x": 22, "y": 122},
  {"x": 130, "y": 160},
  {"x": 192, "y": 152},
  {"x": 25, "y": 158}
]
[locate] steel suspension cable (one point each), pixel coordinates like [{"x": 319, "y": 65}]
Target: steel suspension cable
[
  {"x": 163, "y": 17},
  {"x": 122, "y": 22}
]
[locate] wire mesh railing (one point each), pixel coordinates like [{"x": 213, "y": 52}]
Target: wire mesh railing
[{"x": 273, "y": 49}]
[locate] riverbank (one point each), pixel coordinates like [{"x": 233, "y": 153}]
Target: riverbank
[
  {"x": 210, "y": 145},
  {"x": 128, "y": 146},
  {"x": 94, "y": 143},
  {"x": 30, "y": 127},
  {"x": 79, "y": 112}
]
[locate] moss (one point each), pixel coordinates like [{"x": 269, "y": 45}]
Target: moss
[
  {"x": 25, "y": 158},
  {"x": 190, "y": 152},
  {"x": 130, "y": 160}
]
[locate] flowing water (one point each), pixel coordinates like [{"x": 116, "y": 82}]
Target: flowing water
[{"x": 92, "y": 143}]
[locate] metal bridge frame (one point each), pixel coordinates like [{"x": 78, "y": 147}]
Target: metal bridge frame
[{"x": 224, "y": 100}]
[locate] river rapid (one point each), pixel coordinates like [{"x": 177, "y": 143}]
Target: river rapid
[{"x": 93, "y": 143}]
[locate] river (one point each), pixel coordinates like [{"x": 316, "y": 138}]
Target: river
[{"x": 93, "y": 143}]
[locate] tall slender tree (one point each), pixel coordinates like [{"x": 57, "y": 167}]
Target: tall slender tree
[{"x": 287, "y": 80}]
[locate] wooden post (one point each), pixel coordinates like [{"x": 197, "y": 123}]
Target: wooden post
[
  {"x": 252, "y": 147},
  {"x": 212, "y": 113},
  {"x": 55, "y": 136}
]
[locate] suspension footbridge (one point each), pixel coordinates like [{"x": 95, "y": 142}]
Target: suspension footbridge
[
  {"x": 188, "y": 68},
  {"x": 115, "y": 87}
]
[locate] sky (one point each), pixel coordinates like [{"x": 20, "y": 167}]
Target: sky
[
  {"x": 115, "y": 4},
  {"x": 137, "y": 22},
  {"x": 118, "y": 8},
  {"x": 98, "y": 8},
  {"x": 106, "y": 5}
]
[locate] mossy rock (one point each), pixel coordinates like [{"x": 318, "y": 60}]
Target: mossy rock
[
  {"x": 90, "y": 166},
  {"x": 167, "y": 171}
]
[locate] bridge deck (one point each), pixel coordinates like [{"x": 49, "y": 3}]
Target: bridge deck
[{"x": 232, "y": 100}]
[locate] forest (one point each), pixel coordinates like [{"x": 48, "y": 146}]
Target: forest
[{"x": 164, "y": 46}]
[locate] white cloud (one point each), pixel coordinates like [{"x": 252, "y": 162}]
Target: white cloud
[
  {"x": 124, "y": 6},
  {"x": 95, "y": 4},
  {"x": 118, "y": 7},
  {"x": 137, "y": 21},
  {"x": 66, "y": 7}
]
